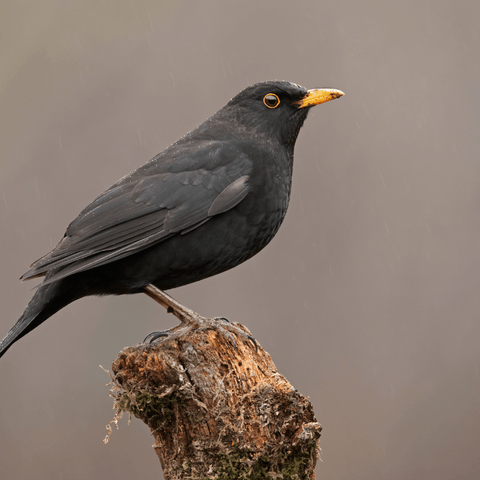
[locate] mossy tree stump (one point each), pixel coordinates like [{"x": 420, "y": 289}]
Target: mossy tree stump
[{"x": 216, "y": 410}]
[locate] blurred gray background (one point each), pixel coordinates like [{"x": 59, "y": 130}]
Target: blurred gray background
[{"x": 368, "y": 299}]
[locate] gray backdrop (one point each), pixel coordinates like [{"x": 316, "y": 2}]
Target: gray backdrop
[{"x": 367, "y": 299}]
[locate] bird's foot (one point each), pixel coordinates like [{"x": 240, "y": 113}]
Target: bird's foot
[
  {"x": 191, "y": 320},
  {"x": 225, "y": 326},
  {"x": 189, "y": 324},
  {"x": 244, "y": 335}
]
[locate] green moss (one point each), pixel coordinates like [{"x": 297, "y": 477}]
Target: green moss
[
  {"x": 237, "y": 465},
  {"x": 152, "y": 409}
]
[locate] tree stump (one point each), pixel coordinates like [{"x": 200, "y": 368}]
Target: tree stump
[{"x": 217, "y": 407}]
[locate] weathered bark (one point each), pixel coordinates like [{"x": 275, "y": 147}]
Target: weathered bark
[{"x": 217, "y": 411}]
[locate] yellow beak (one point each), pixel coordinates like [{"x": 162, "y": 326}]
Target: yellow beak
[{"x": 318, "y": 96}]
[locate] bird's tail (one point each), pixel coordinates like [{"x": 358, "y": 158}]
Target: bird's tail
[{"x": 40, "y": 308}]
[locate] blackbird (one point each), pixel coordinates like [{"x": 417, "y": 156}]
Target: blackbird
[{"x": 205, "y": 204}]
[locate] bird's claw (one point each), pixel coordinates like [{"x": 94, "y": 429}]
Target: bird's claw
[
  {"x": 254, "y": 342},
  {"x": 238, "y": 331},
  {"x": 151, "y": 337}
]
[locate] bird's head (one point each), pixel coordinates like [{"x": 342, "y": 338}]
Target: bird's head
[{"x": 276, "y": 108}]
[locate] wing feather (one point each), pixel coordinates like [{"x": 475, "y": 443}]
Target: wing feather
[{"x": 147, "y": 207}]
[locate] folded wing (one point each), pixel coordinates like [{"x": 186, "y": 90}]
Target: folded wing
[{"x": 146, "y": 208}]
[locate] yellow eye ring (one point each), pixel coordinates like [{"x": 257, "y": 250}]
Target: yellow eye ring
[{"x": 271, "y": 100}]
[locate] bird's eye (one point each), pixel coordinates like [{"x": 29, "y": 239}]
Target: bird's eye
[{"x": 271, "y": 100}]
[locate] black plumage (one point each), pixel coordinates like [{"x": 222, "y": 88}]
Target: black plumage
[{"x": 204, "y": 205}]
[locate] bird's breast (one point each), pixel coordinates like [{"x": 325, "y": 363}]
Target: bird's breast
[{"x": 226, "y": 239}]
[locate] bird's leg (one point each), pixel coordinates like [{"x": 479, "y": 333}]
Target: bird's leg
[
  {"x": 184, "y": 314},
  {"x": 190, "y": 318}
]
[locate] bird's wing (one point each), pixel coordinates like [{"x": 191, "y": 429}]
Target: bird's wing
[{"x": 144, "y": 209}]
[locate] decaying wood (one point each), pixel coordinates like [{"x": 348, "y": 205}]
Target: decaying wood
[{"x": 217, "y": 411}]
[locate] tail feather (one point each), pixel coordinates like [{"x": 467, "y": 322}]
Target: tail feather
[
  {"x": 46, "y": 301},
  {"x": 21, "y": 328}
]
